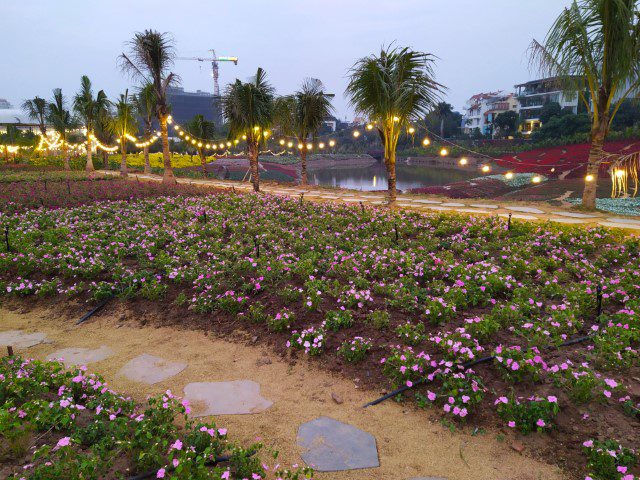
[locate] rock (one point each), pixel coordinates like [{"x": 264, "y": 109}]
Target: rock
[
  {"x": 263, "y": 361},
  {"x": 336, "y": 398},
  {"x": 151, "y": 369},
  {"x": 225, "y": 398},
  {"x": 254, "y": 339},
  {"x": 517, "y": 446}
]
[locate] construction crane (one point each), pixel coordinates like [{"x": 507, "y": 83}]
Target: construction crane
[{"x": 214, "y": 67}]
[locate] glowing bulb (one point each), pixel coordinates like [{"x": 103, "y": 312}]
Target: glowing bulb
[
  {"x": 289, "y": 144},
  {"x": 300, "y": 146},
  {"x": 228, "y": 144},
  {"x": 244, "y": 137},
  {"x": 221, "y": 145},
  {"x": 486, "y": 168},
  {"x": 356, "y": 133},
  {"x": 444, "y": 152},
  {"x": 207, "y": 145},
  {"x": 181, "y": 133},
  {"x": 214, "y": 146},
  {"x": 463, "y": 161},
  {"x": 396, "y": 119},
  {"x": 426, "y": 142},
  {"x": 589, "y": 178},
  {"x": 187, "y": 137},
  {"x": 412, "y": 130},
  {"x": 236, "y": 141},
  {"x": 536, "y": 179},
  {"x": 619, "y": 173},
  {"x": 321, "y": 145},
  {"x": 199, "y": 144},
  {"x": 193, "y": 142},
  {"x": 282, "y": 141},
  {"x": 332, "y": 143},
  {"x": 309, "y": 146},
  {"x": 369, "y": 127},
  {"x": 508, "y": 175}
]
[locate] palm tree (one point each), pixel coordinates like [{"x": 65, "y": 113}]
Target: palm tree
[
  {"x": 301, "y": 115},
  {"x": 203, "y": 129},
  {"x": 442, "y": 110},
  {"x": 593, "y": 49},
  {"x": 393, "y": 89},
  {"x": 103, "y": 131},
  {"x": 36, "y": 109},
  {"x": 87, "y": 109},
  {"x": 123, "y": 124},
  {"x": 145, "y": 106},
  {"x": 62, "y": 122},
  {"x": 151, "y": 55},
  {"x": 248, "y": 108}
]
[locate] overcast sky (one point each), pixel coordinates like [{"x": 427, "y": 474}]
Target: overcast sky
[{"x": 481, "y": 44}]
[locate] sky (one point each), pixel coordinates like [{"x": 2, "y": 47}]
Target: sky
[{"x": 481, "y": 45}]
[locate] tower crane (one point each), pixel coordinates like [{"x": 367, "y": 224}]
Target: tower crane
[{"x": 214, "y": 67}]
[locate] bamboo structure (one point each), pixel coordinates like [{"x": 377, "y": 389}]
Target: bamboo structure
[{"x": 624, "y": 171}]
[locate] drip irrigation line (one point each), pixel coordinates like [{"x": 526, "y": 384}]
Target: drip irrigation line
[
  {"x": 95, "y": 310},
  {"x": 464, "y": 366}
]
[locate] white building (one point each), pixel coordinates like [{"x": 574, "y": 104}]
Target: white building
[
  {"x": 481, "y": 110},
  {"x": 15, "y": 117}
]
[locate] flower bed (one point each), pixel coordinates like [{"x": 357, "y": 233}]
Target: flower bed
[
  {"x": 57, "y": 423},
  {"x": 330, "y": 283}
]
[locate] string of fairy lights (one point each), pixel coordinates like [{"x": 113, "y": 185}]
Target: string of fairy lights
[{"x": 288, "y": 144}]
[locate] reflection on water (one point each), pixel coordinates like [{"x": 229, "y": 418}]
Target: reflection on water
[{"x": 374, "y": 177}]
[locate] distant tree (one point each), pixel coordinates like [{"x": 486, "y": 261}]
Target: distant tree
[
  {"x": 205, "y": 130},
  {"x": 145, "y": 105},
  {"x": 563, "y": 126},
  {"x": 301, "y": 115},
  {"x": 103, "y": 131},
  {"x": 549, "y": 110},
  {"x": 444, "y": 119},
  {"x": 123, "y": 124},
  {"x": 392, "y": 89},
  {"x": 87, "y": 108},
  {"x": 248, "y": 108},
  {"x": 62, "y": 122},
  {"x": 628, "y": 115},
  {"x": 150, "y": 57},
  {"x": 507, "y": 122},
  {"x": 594, "y": 48},
  {"x": 442, "y": 110}
]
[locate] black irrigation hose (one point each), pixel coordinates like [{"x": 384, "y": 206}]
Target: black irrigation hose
[
  {"x": 212, "y": 463},
  {"x": 464, "y": 366},
  {"x": 95, "y": 310}
]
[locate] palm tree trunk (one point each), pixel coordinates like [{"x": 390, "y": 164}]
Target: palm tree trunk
[
  {"x": 596, "y": 154},
  {"x": 6, "y": 154},
  {"x": 65, "y": 153},
  {"x": 203, "y": 161},
  {"x": 123, "y": 159},
  {"x": 168, "y": 177},
  {"x": 442, "y": 127},
  {"x": 390, "y": 163},
  {"x": 303, "y": 167},
  {"x": 105, "y": 160},
  {"x": 253, "y": 161},
  {"x": 89, "y": 167},
  {"x": 147, "y": 165}
]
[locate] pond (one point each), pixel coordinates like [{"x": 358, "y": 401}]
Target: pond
[{"x": 374, "y": 177}]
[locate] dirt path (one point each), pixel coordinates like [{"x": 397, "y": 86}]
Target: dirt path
[{"x": 409, "y": 443}]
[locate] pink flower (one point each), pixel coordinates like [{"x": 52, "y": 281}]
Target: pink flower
[
  {"x": 177, "y": 445},
  {"x": 588, "y": 444},
  {"x": 512, "y": 424},
  {"x": 63, "y": 442},
  {"x": 540, "y": 422},
  {"x": 175, "y": 462},
  {"x": 222, "y": 431},
  {"x": 431, "y": 396},
  {"x": 160, "y": 473},
  {"x": 552, "y": 399}
]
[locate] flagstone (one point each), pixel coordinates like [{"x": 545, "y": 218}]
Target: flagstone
[
  {"x": 477, "y": 205},
  {"x": 575, "y": 215},
  {"x": 238, "y": 397},
  {"x": 80, "y": 355},
  {"x": 330, "y": 446},
  {"x": 525, "y": 209},
  {"x": 151, "y": 369},
  {"x": 519, "y": 216},
  {"x": 21, "y": 339},
  {"x": 568, "y": 220},
  {"x": 633, "y": 226},
  {"x": 622, "y": 220}
]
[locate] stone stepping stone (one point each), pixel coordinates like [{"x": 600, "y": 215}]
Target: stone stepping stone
[
  {"x": 575, "y": 215},
  {"x": 81, "y": 356},
  {"x": 477, "y": 205},
  {"x": 519, "y": 216},
  {"x": 331, "y": 446},
  {"x": 622, "y": 220},
  {"x": 436, "y": 207},
  {"x": 351, "y": 200},
  {"x": 225, "y": 398},
  {"x": 524, "y": 209},
  {"x": 634, "y": 226},
  {"x": 473, "y": 210},
  {"x": 21, "y": 339},
  {"x": 568, "y": 220},
  {"x": 431, "y": 202},
  {"x": 427, "y": 478},
  {"x": 151, "y": 369},
  {"x": 453, "y": 204}
]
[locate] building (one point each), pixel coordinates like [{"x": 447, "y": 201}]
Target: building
[
  {"x": 535, "y": 94},
  {"x": 15, "y": 117},
  {"x": 481, "y": 110},
  {"x": 186, "y": 105}
]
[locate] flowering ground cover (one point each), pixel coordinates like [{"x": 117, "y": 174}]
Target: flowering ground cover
[
  {"x": 389, "y": 298},
  {"x": 68, "y": 424}
]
